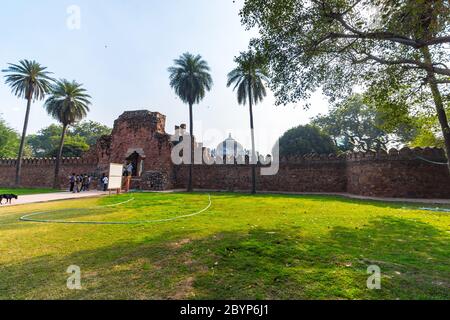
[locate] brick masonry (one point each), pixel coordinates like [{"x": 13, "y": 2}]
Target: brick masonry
[{"x": 401, "y": 174}]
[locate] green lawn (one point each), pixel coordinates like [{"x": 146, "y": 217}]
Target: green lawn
[
  {"x": 244, "y": 247},
  {"x": 26, "y": 191}
]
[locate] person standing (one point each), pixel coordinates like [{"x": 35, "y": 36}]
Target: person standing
[
  {"x": 88, "y": 183},
  {"x": 100, "y": 185},
  {"x": 85, "y": 181},
  {"x": 105, "y": 181},
  {"x": 130, "y": 169},
  {"x": 79, "y": 183},
  {"x": 72, "y": 182}
]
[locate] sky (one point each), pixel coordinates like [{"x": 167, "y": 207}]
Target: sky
[{"x": 120, "y": 50}]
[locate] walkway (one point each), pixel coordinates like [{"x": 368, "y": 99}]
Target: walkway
[{"x": 37, "y": 198}]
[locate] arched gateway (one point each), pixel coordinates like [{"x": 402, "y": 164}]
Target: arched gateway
[{"x": 139, "y": 138}]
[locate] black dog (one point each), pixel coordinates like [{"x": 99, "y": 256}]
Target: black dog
[{"x": 8, "y": 198}]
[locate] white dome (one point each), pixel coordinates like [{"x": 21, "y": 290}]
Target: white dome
[{"x": 230, "y": 147}]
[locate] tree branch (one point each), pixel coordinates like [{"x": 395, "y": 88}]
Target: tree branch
[
  {"x": 381, "y": 35},
  {"x": 419, "y": 64}
]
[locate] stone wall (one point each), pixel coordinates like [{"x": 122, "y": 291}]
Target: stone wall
[
  {"x": 40, "y": 172},
  {"x": 302, "y": 176},
  {"x": 411, "y": 173},
  {"x": 142, "y": 132},
  {"x": 400, "y": 174}
]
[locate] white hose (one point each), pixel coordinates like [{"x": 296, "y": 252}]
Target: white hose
[{"x": 27, "y": 217}]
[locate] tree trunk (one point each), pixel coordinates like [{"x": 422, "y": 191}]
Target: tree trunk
[
  {"x": 58, "y": 158},
  {"x": 22, "y": 143},
  {"x": 437, "y": 97},
  {"x": 252, "y": 127},
  {"x": 191, "y": 164}
]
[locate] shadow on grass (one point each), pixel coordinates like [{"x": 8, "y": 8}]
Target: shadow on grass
[
  {"x": 253, "y": 264},
  {"x": 327, "y": 199}
]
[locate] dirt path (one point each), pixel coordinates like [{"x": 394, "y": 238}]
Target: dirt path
[{"x": 37, "y": 198}]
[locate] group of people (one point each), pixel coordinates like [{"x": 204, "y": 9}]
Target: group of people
[{"x": 82, "y": 182}]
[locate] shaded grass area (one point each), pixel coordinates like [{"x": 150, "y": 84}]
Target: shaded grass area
[
  {"x": 26, "y": 191},
  {"x": 244, "y": 247}
]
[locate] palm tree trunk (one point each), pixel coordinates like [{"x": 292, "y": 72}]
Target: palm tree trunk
[
  {"x": 191, "y": 164},
  {"x": 58, "y": 158},
  {"x": 22, "y": 143},
  {"x": 437, "y": 97},
  {"x": 252, "y": 127}
]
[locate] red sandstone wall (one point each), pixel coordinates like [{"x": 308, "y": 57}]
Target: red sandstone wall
[
  {"x": 39, "y": 172},
  {"x": 399, "y": 174},
  {"x": 142, "y": 130},
  {"x": 305, "y": 176}
]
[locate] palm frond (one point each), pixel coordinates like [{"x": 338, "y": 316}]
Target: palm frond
[
  {"x": 190, "y": 78},
  {"x": 68, "y": 102},
  {"x": 250, "y": 73},
  {"x": 28, "y": 80}
]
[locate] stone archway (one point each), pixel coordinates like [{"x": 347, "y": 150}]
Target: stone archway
[{"x": 136, "y": 157}]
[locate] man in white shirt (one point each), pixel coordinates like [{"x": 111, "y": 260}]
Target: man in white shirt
[{"x": 105, "y": 182}]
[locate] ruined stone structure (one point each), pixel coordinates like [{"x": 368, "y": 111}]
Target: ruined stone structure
[{"x": 139, "y": 137}]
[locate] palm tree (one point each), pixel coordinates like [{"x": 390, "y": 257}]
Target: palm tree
[
  {"x": 190, "y": 79},
  {"x": 28, "y": 80},
  {"x": 68, "y": 103},
  {"x": 249, "y": 78}
]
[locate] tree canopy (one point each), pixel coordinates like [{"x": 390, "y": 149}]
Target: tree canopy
[
  {"x": 249, "y": 77},
  {"x": 9, "y": 141},
  {"x": 68, "y": 102},
  {"x": 78, "y": 140},
  {"x": 357, "y": 126},
  {"x": 190, "y": 78},
  {"x": 28, "y": 79},
  {"x": 304, "y": 140},
  {"x": 336, "y": 44},
  {"x": 396, "y": 50}
]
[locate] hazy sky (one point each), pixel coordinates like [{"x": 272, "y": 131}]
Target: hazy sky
[{"x": 121, "y": 54}]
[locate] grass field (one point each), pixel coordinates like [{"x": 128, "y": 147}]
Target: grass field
[
  {"x": 243, "y": 247},
  {"x": 26, "y": 191}
]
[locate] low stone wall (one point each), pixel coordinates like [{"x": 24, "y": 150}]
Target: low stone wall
[
  {"x": 40, "y": 172},
  {"x": 400, "y": 174},
  {"x": 303, "y": 176},
  {"x": 408, "y": 173}
]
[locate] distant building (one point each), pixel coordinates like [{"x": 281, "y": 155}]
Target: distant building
[{"x": 230, "y": 147}]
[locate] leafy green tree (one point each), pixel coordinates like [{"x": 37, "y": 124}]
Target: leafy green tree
[
  {"x": 74, "y": 146},
  {"x": 427, "y": 133},
  {"x": 304, "y": 140},
  {"x": 31, "y": 81},
  {"x": 45, "y": 140},
  {"x": 90, "y": 130},
  {"x": 9, "y": 141},
  {"x": 249, "y": 79},
  {"x": 190, "y": 79},
  {"x": 85, "y": 133},
  {"x": 394, "y": 48},
  {"x": 68, "y": 103},
  {"x": 356, "y": 126}
]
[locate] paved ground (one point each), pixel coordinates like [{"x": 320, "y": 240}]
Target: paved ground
[{"x": 36, "y": 198}]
